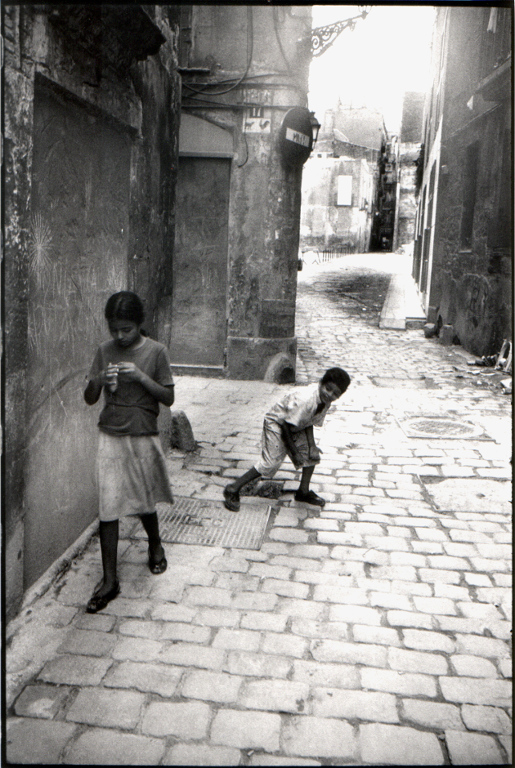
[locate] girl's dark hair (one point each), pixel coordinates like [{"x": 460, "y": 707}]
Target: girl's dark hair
[
  {"x": 125, "y": 305},
  {"x": 338, "y": 376}
]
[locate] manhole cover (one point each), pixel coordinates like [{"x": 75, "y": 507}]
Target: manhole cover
[
  {"x": 471, "y": 494},
  {"x": 208, "y": 523},
  {"x": 440, "y": 427}
]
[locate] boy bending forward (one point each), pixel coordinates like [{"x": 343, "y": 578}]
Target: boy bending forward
[{"x": 288, "y": 431}]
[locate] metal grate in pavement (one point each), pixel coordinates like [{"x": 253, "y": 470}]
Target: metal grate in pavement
[
  {"x": 208, "y": 523},
  {"x": 441, "y": 427}
]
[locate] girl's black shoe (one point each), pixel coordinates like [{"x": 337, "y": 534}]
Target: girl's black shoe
[
  {"x": 157, "y": 566},
  {"x": 98, "y": 602}
]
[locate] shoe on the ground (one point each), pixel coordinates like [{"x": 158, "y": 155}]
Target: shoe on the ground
[
  {"x": 231, "y": 500},
  {"x": 310, "y": 498},
  {"x": 157, "y": 566},
  {"x": 99, "y": 602}
]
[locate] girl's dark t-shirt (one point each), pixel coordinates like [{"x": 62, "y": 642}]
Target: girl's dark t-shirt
[{"x": 131, "y": 409}]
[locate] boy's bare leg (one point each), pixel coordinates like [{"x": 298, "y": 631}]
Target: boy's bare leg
[
  {"x": 303, "y": 493},
  {"x": 232, "y": 490},
  {"x": 307, "y": 474},
  {"x": 237, "y": 485}
]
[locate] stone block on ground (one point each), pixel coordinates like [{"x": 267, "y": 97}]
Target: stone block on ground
[
  {"x": 180, "y": 432},
  {"x": 446, "y": 336}
]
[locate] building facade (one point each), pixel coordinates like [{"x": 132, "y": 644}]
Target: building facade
[
  {"x": 91, "y": 116},
  {"x": 410, "y": 140},
  {"x": 244, "y": 70},
  {"x": 339, "y": 182},
  {"x": 386, "y": 194},
  {"x": 464, "y": 227}
]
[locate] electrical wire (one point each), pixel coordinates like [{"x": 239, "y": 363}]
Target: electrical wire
[
  {"x": 240, "y": 165},
  {"x": 250, "y": 51},
  {"x": 207, "y": 104}
]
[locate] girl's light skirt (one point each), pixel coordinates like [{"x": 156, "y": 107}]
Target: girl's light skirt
[{"x": 131, "y": 474}]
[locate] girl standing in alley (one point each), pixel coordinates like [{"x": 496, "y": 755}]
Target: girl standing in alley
[{"x": 134, "y": 372}]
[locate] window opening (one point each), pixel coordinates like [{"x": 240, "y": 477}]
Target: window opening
[{"x": 469, "y": 194}]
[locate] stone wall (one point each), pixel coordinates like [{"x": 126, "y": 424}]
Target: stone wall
[
  {"x": 473, "y": 230},
  {"x": 255, "y": 51},
  {"x": 91, "y": 114},
  {"x": 324, "y": 223},
  {"x": 407, "y": 201}
]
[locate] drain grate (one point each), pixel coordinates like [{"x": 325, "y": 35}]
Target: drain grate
[
  {"x": 208, "y": 523},
  {"x": 441, "y": 427}
]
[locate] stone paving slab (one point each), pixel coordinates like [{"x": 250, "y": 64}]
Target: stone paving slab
[{"x": 373, "y": 631}]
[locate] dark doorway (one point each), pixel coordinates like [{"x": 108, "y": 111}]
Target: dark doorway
[{"x": 200, "y": 262}]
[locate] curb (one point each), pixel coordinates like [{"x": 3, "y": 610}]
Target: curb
[{"x": 45, "y": 581}]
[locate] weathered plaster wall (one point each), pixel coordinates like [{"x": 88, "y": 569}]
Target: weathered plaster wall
[
  {"x": 407, "y": 204},
  {"x": 18, "y": 88},
  {"x": 264, "y": 220},
  {"x": 153, "y": 178},
  {"x": 86, "y": 190},
  {"x": 472, "y": 291},
  {"x": 265, "y": 195},
  {"x": 326, "y": 224}
]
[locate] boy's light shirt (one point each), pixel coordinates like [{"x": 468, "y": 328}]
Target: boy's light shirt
[{"x": 299, "y": 408}]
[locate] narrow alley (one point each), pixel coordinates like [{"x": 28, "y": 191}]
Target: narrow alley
[{"x": 375, "y": 631}]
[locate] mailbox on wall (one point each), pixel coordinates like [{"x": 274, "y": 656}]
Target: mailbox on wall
[{"x": 296, "y": 136}]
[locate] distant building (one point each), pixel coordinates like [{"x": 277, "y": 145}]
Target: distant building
[
  {"x": 338, "y": 183},
  {"x": 409, "y": 144},
  {"x": 361, "y": 125},
  {"x": 412, "y": 117},
  {"x": 385, "y": 201},
  {"x": 464, "y": 228}
]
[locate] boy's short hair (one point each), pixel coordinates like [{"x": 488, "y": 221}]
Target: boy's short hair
[{"x": 338, "y": 376}]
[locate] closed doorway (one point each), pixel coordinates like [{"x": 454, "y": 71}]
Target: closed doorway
[
  {"x": 199, "y": 302},
  {"x": 78, "y": 238}
]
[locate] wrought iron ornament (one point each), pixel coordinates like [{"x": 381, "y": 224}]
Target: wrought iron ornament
[{"x": 323, "y": 37}]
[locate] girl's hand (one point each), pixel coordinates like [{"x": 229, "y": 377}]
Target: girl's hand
[
  {"x": 130, "y": 372},
  {"x": 109, "y": 377}
]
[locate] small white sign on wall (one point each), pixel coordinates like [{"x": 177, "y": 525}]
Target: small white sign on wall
[
  {"x": 344, "y": 190},
  {"x": 257, "y": 118}
]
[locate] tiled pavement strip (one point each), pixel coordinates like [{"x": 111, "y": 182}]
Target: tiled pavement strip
[{"x": 374, "y": 632}]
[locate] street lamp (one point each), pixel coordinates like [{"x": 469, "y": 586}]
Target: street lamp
[{"x": 315, "y": 127}]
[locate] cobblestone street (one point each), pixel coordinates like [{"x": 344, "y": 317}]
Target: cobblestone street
[{"x": 375, "y": 631}]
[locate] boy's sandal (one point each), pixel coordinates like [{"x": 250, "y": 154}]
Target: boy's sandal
[
  {"x": 99, "y": 602},
  {"x": 157, "y": 566},
  {"x": 231, "y": 500},
  {"x": 310, "y": 498}
]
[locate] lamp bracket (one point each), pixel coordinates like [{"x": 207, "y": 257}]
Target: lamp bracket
[{"x": 323, "y": 37}]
